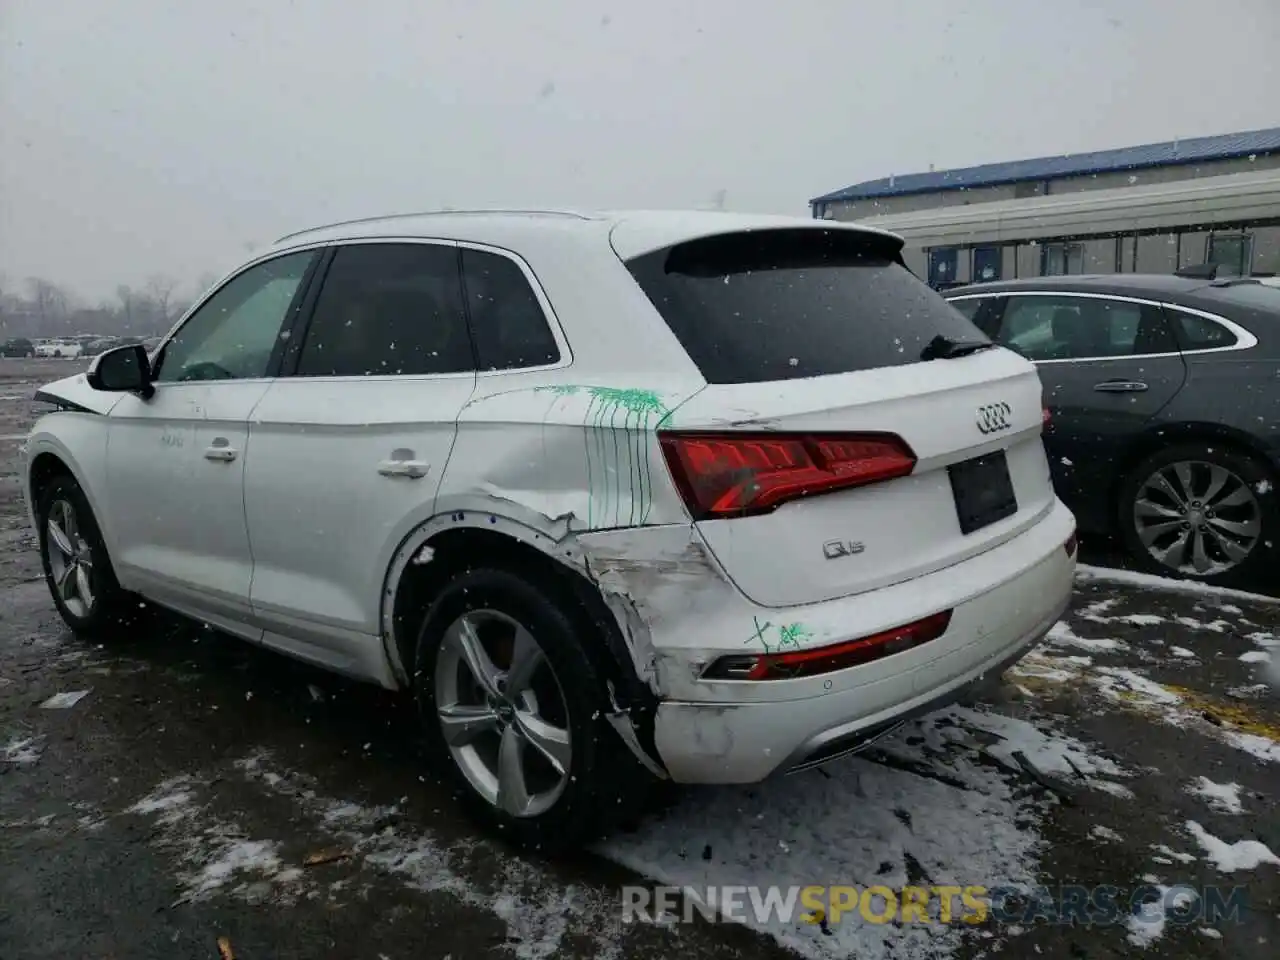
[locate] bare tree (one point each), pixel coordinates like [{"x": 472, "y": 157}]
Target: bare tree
[
  {"x": 128, "y": 310},
  {"x": 49, "y": 302},
  {"x": 160, "y": 292}
]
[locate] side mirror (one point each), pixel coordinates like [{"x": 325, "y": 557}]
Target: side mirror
[{"x": 122, "y": 370}]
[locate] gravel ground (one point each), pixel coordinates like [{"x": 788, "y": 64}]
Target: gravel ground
[{"x": 180, "y": 799}]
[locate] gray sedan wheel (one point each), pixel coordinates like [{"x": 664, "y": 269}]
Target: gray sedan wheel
[
  {"x": 1197, "y": 518},
  {"x": 1200, "y": 510}
]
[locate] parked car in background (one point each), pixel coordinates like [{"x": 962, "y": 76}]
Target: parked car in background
[
  {"x": 17, "y": 347},
  {"x": 58, "y": 349},
  {"x": 688, "y": 495},
  {"x": 1164, "y": 407}
]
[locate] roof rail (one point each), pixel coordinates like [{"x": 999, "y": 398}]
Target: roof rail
[
  {"x": 349, "y": 223},
  {"x": 424, "y": 213}
]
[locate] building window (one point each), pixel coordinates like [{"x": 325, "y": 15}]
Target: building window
[
  {"x": 986, "y": 264},
  {"x": 1232, "y": 252},
  {"x": 942, "y": 266},
  {"x": 1061, "y": 259}
]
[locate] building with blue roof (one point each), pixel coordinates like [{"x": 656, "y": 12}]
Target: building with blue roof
[{"x": 1083, "y": 233}]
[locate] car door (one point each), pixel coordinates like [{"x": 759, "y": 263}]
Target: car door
[
  {"x": 1108, "y": 365},
  {"x": 175, "y": 460},
  {"x": 348, "y": 446}
]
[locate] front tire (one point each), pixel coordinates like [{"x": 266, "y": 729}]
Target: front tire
[
  {"x": 76, "y": 565},
  {"x": 511, "y": 705},
  {"x": 1203, "y": 511}
]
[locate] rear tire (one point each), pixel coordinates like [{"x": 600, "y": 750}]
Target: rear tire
[
  {"x": 503, "y": 668},
  {"x": 76, "y": 565},
  {"x": 1203, "y": 511}
]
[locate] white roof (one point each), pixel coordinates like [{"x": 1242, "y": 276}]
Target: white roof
[{"x": 632, "y": 232}]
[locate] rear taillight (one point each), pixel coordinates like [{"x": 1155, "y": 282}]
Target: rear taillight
[
  {"x": 737, "y": 474},
  {"x": 793, "y": 664},
  {"x": 1044, "y": 417},
  {"x": 1071, "y": 545}
]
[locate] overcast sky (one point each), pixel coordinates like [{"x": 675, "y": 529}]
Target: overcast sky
[{"x": 145, "y": 136}]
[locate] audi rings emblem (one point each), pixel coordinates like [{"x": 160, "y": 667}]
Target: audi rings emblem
[{"x": 994, "y": 417}]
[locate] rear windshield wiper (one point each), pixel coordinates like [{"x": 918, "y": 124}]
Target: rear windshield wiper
[{"x": 944, "y": 348}]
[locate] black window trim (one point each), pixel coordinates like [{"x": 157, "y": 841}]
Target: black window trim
[
  {"x": 1244, "y": 339},
  {"x": 298, "y": 308},
  {"x": 298, "y": 335}
]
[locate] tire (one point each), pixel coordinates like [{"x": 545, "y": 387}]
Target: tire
[
  {"x": 106, "y": 600},
  {"x": 601, "y": 781},
  {"x": 1236, "y": 524}
]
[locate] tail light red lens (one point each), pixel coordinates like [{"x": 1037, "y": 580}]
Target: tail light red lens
[
  {"x": 794, "y": 664},
  {"x": 737, "y": 474},
  {"x": 1044, "y": 417},
  {"x": 1072, "y": 544}
]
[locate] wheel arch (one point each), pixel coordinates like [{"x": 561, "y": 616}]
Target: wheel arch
[
  {"x": 1166, "y": 435},
  {"x": 441, "y": 546},
  {"x": 48, "y": 454}
]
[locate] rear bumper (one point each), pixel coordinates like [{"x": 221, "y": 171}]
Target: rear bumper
[{"x": 785, "y": 725}]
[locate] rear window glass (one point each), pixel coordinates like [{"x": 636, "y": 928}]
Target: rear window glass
[
  {"x": 1200, "y": 333},
  {"x": 783, "y": 304}
]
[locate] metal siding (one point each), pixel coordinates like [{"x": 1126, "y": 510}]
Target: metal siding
[{"x": 1169, "y": 153}]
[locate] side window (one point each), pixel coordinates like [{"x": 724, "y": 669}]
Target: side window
[
  {"x": 1075, "y": 328},
  {"x": 388, "y": 309},
  {"x": 979, "y": 312},
  {"x": 507, "y": 321},
  {"x": 1201, "y": 333},
  {"x": 232, "y": 335}
]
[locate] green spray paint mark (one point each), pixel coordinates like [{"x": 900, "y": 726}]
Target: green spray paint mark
[
  {"x": 619, "y": 421},
  {"x": 792, "y": 634},
  {"x": 781, "y": 637}
]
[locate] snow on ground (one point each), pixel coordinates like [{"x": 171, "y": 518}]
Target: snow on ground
[
  {"x": 212, "y": 853},
  {"x": 1177, "y": 706},
  {"x": 21, "y": 750},
  {"x": 1148, "y": 582},
  {"x": 1148, "y": 923},
  {"x": 538, "y": 910},
  {"x": 1230, "y": 857},
  {"x": 863, "y": 822},
  {"x": 946, "y": 802},
  {"x": 1223, "y": 797},
  {"x": 1062, "y": 634}
]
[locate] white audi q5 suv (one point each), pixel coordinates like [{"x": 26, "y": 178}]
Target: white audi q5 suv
[{"x": 618, "y": 497}]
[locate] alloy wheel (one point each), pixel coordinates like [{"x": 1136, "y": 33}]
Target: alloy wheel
[
  {"x": 1197, "y": 518},
  {"x": 70, "y": 558},
  {"x": 503, "y": 713}
]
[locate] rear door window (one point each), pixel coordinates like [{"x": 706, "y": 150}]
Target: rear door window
[
  {"x": 772, "y": 305},
  {"x": 1081, "y": 328},
  {"x": 388, "y": 309}
]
